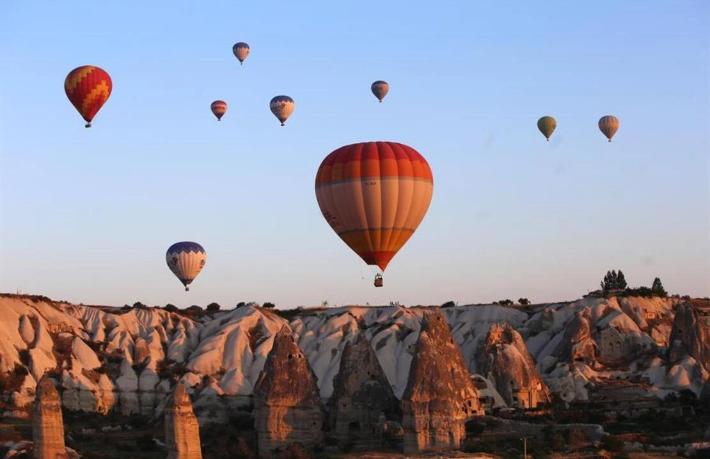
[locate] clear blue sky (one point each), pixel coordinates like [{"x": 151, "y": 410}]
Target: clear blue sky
[{"x": 87, "y": 214}]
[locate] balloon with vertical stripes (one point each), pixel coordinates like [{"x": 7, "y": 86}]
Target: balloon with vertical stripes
[
  {"x": 609, "y": 124},
  {"x": 186, "y": 259}
]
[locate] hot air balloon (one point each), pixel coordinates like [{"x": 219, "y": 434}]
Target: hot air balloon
[
  {"x": 282, "y": 107},
  {"x": 547, "y": 125},
  {"x": 186, "y": 259},
  {"x": 219, "y": 108},
  {"x": 380, "y": 89},
  {"x": 88, "y": 88},
  {"x": 241, "y": 51},
  {"x": 609, "y": 124},
  {"x": 374, "y": 195}
]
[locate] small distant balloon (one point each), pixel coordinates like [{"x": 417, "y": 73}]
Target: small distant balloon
[
  {"x": 282, "y": 107},
  {"x": 609, "y": 124},
  {"x": 547, "y": 125},
  {"x": 380, "y": 89},
  {"x": 241, "y": 51},
  {"x": 219, "y": 108},
  {"x": 88, "y": 87},
  {"x": 186, "y": 259}
]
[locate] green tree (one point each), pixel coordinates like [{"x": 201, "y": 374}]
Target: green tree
[
  {"x": 620, "y": 281},
  {"x": 657, "y": 288},
  {"x": 268, "y": 305},
  {"x": 213, "y": 307},
  {"x": 524, "y": 301}
]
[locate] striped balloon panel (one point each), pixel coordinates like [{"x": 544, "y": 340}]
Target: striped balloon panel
[
  {"x": 374, "y": 195},
  {"x": 609, "y": 125},
  {"x": 241, "y": 51},
  {"x": 88, "y": 88},
  {"x": 282, "y": 107},
  {"x": 186, "y": 264},
  {"x": 380, "y": 89},
  {"x": 219, "y": 108}
]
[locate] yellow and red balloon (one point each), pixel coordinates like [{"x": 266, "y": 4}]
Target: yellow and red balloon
[
  {"x": 88, "y": 88},
  {"x": 374, "y": 195}
]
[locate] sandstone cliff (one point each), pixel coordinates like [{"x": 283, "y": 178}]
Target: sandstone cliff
[
  {"x": 440, "y": 395},
  {"x": 362, "y": 397},
  {"x": 504, "y": 359},
  {"x": 287, "y": 406},
  {"x": 690, "y": 336},
  {"x": 182, "y": 432},
  {"x": 47, "y": 423}
]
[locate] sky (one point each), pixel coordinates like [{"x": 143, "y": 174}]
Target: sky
[{"x": 86, "y": 215}]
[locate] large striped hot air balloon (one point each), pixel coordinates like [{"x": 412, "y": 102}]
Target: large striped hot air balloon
[
  {"x": 186, "y": 259},
  {"x": 88, "y": 88},
  {"x": 547, "y": 125},
  {"x": 609, "y": 124},
  {"x": 241, "y": 51},
  {"x": 282, "y": 107},
  {"x": 219, "y": 108},
  {"x": 380, "y": 89},
  {"x": 374, "y": 195}
]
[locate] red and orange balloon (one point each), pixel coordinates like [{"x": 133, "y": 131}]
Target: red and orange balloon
[
  {"x": 219, "y": 108},
  {"x": 374, "y": 195},
  {"x": 88, "y": 88}
]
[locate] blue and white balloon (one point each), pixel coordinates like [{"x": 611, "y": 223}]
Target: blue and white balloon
[{"x": 186, "y": 259}]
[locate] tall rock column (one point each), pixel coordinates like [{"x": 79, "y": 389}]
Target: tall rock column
[
  {"x": 504, "y": 359},
  {"x": 362, "y": 397},
  {"x": 286, "y": 400},
  {"x": 440, "y": 395},
  {"x": 182, "y": 432},
  {"x": 690, "y": 336},
  {"x": 47, "y": 422}
]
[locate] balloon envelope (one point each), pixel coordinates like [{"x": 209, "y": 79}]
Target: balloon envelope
[
  {"x": 88, "y": 88},
  {"x": 380, "y": 89},
  {"x": 547, "y": 125},
  {"x": 374, "y": 195},
  {"x": 186, "y": 259},
  {"x": 219, "y": 108},
  {"x": 609, "y": 124},
  {"x": 241, "y": 51},
  {"x": 282, "y": 107}
]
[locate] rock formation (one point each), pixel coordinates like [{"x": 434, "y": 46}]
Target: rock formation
[
  {"x": 440, "y": 395},
  {"x": 47, "y": 422},
  {"x": 362, "y": 397},
  {"x": 182, "y": 432},
  {"x": 504, "y": 359},
  {"x": 577, "y": 342},
  {"x": 690, "y": 336},
  {"x": 286, "y": 400}
]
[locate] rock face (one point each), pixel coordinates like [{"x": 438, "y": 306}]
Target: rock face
[
  {"x": 47, "y": 423},
  {"x": 577, "y": 343},
  {"x": 362, "y": 399},
  {"x": 505, "y": 360},
  {"x": 690, "y": 335},
  {"x": 440, "y": 395},
  {"x": 182, "y": 432},
  {"x": 286, "y": 401}
]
